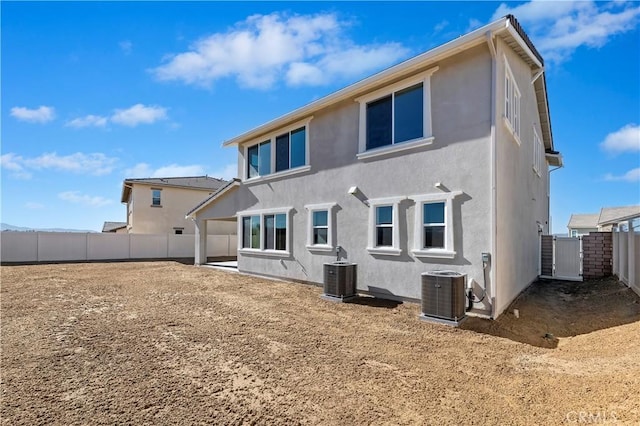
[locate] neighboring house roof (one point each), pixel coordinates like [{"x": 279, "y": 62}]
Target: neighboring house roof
[
  {"x": 614, "y": 215},
  {"x": 579, "y": 221},
  {"x": 507, "y": 28},
  {"x": 234, "y": 183},
  {"x": 204, "y": 183},
  {"x": 113, "y": 226}
]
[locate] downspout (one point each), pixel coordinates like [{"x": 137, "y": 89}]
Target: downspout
[
  {"x": 549, "y": 200},
  {"x": 494, "y": 179}
]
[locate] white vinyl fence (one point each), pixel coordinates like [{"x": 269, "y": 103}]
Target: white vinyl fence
[
  {"x": 73, "y": 246},
  {"x": 626, "y": 256}
]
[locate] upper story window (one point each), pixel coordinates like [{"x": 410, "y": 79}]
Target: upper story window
[
  {"x": 155, "y": 197},
  {"x": 384, "y": 229},
  {"x": 538, "y": 152},
  {"x": 282, "y": 152},
  {"x": 511, "y": 102},
  {"x": 396, "y": 117},
  {"x": 259, "y": 159},
  {"x": 433, "y": 234},
  {"x": 265, "y": 232}
]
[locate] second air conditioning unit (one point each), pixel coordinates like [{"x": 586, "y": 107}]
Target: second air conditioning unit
[
  {"x": 340, "y": 280},
  {"x": 443, "y": 296}
]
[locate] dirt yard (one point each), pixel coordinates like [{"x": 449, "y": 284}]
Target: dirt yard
[{"x": 167, "y": 343}]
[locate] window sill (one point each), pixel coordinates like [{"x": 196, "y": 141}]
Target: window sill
[
  {"x": 385, "y": 251},
  {"x": 155, "y": 206},
  {"x": 509, "y": 127},
  {"x": 435, "y": 253},
  {"x": 391, "y": 149},
  {"x": 283, "y": 173},
  {"x": 267, "y": 253},
  {"x": 321, "y": 248}
]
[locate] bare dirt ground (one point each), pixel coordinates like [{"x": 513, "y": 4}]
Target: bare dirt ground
[{"x": 167, "y": 343}]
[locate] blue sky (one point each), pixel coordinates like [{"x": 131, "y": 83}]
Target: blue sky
[{"x": 93, "y": 92}]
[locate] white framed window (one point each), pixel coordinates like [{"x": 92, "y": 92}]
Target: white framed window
[
  {"x": 433, "y": 229},
  {"x": 538, "y": 153},
  {"x": 278, "y": 154},
  {"x": 320, "y": 225},
  {"x": 574, "y": 233},
  {"x": 265, "y": 232},
  {"x": 397, "y": 117},
  {"x": 156, "y": 197},
  {"x": 384, "y": 219},
  {"x": 511, "y": 102}
]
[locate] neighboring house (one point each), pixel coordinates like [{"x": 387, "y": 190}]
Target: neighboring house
[
  {"x": 158, "y": 205},
  {"x": 609, "y": 217},
  {"x": 438, "y": 163},
  {"x": 115, "y": 227},
  {"x": 582, "y": 224}
]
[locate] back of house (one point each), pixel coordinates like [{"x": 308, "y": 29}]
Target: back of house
[{"x": 438, "y": 163}]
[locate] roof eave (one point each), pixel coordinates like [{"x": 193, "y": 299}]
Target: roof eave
[
  {"x": 461, "y": 43},
  {"x": 234, "y": 183},
  {"x": 619, "y": 219},
  {"x": 554, "y": 159}
]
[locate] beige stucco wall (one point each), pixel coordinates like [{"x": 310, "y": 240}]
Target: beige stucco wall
[
  {"x": 175, "y": 203},
  {"x": 522, "y": 195}
]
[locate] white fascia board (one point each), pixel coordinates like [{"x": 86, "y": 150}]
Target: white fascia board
[
  {"x": 522, "y": 44},
  {"x": 450, "y": 48},
  {"x": 213, "y": 197}
]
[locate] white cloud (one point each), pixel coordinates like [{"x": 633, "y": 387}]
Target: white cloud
[
  {"x": 139, "y": 114},
  {"x": 258, "y": 52},
  {"x": 227, "y": 172},
  {"x": 42, "y": 114},
  {"x": 13, "y": 163},
  {"x": 631, "y": 176},
  {"x": 144, "y": 170},
  {"x": 91, "y": 164},
  {"x": 625, "y": 139},
  {"x": 441, "y": 26},
  {"x": 558, "y": 28},
  {"x": 126, "y": 46},
  {"x": 87, "y": 121},
  {"x": 77, "y": 197},
  {"x": 33, "y": 206}
]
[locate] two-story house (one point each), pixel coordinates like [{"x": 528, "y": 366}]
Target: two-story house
[
  {"x": 438, "y": 163},
  {"x": 604, "y": 221},
  {"x": 157, "y": 205}
]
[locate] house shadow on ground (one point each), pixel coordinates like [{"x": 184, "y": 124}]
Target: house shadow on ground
[{"x": 550, "y": 309}]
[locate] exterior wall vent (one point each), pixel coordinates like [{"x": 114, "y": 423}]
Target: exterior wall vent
[
  {"x": 340, "y": 280},
  {"x": 443, "y": 298}
]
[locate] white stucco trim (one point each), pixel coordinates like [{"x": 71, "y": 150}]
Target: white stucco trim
[
  {"x": 277, "y": 175},
  {"x": 398, "y": 147},
  {"x": 448, "y": 251},
  {"x": 394, "y": 249},
  {"x": 424, "y": 78},
  {"x": 269, "y": 253},
  {"x": 311, "y": 208}
]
